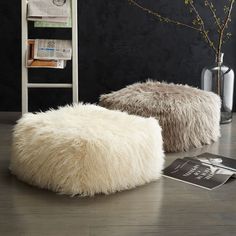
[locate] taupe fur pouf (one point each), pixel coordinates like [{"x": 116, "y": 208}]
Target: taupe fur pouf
[{"x": 189, "y": 117}]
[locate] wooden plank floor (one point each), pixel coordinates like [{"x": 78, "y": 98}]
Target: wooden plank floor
[{"x": 165, "y": 207}]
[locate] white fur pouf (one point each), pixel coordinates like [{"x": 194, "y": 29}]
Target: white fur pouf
[
  {"x": 86, "y": 149},
  {"x": 189, "y": 117}
]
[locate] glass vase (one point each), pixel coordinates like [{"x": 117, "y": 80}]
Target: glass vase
[{"x": 219, "y": 79}]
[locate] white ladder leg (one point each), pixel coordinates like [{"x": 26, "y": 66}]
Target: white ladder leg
[
  {"x": 75, "y": 65},
  {"x": 24, "y": 70}
]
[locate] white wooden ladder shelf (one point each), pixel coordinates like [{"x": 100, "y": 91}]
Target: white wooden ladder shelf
[{"x": 24, "y": 70}]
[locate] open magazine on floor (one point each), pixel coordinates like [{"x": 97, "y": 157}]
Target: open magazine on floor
[
  {"x": 216, "y": 160},
  {"x": 207, "y": 170}
]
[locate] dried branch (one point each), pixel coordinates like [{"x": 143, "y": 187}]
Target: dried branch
[
  {"x": 211, "y": 7},
  {"x": 203, "y": 28},
  {"x": 225, "y": 25},
  {"x": 227, "y": 19},
  {"x": 162, "y": 18},
  {"x": 198, "y": 24}
]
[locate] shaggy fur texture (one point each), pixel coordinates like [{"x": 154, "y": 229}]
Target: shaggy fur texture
[
  {"x": 86, "y": 149},
  {"x": 189, "y": 117}
]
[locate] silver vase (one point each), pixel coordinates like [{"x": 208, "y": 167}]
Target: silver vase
[{"x": 219, "y": 79}]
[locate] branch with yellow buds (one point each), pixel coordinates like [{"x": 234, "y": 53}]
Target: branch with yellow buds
[{"x": 198, "y": 23}]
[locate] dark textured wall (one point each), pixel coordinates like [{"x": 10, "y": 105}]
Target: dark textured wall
[{"x": 118, "y": 45}]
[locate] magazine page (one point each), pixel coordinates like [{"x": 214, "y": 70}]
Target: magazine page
[
  {"x": 43, "y": 23},
  {"x": 51, "y": 24},
  {"x": 197, "y": 174},
  {"x": 60, "y": 64},
  {"x": 52, "y": 20},
  {"x": 31, "y": 62},
  {"x": 52, "y": 49},
  {"x": 217, "y": 161},
  {"x": 48, "y": 9}
]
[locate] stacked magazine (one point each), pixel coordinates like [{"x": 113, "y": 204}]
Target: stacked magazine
[
  {"x": 48, "y": 53},
  {"x": 207, "y": 170},
  {"x": 49, "y": 10}
]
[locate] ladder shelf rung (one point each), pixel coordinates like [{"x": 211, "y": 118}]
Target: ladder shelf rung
[
  {"x": 48, "y": 85},
  {"x": 25, "y": 85}
]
